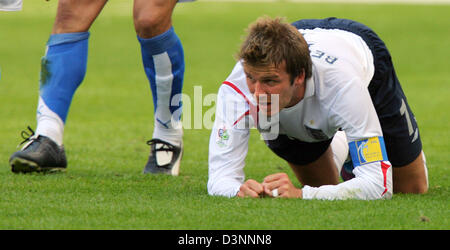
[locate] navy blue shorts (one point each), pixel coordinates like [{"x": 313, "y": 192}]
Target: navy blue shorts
[{"x": 400, "y": 130}]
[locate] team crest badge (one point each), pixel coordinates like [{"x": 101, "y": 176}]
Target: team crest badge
[
  {"x": 316, "y": 133},
  {"x": 222, "y": 137}
]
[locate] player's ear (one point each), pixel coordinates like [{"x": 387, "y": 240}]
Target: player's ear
[{"x": 300, "y": 79}]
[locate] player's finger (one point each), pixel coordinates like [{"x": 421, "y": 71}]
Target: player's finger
[
  {"x": 255, "y": 186},
  {"x": 250, "y": 188},
  {"x": 272, "y": 189},
  {"x": 269, "y": 186},
  {"x": 274, "y": 177},
  {"x": 283, "y": 191},
  {"x": 247, "y": 192},
  {"x": 267, "y": 191}
]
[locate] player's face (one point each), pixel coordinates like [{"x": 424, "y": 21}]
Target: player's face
[{"x": 273, "y": 84}]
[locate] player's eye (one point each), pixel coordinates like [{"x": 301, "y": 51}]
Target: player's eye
[
  {"x": 250, "y": 78},
  {"x": 270, "y": 82}
]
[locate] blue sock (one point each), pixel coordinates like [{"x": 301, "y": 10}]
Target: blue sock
[
  {"x": 62, "y": 70},
  {"x": 163, "y": 60}
]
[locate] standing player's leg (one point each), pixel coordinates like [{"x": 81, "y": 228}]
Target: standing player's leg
[
  {"x": 163, "y": 60},
  {"x": 62, "y": 70}
]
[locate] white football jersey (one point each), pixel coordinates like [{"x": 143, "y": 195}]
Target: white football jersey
[
  {"x": 10, "y": 5},
  {"x": 336, "y": 98}
]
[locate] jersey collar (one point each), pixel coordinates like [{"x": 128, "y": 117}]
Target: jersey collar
[{"x": 310, "y": 87}]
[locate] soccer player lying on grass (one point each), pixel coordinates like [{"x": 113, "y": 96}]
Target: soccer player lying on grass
[
  {"x": 312, "y": 81},
  {"x": 63, "y": 68}
]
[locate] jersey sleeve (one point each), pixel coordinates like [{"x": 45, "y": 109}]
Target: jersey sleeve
[
  {"x": 354, "y": 113},
  {"x": 228, "y": 144},
  {"x": 372, "y": 181}
]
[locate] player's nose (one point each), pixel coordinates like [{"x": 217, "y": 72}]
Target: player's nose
[{"x": 259, "y": 90}]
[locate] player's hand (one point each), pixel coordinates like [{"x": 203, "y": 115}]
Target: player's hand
[
  {"x": 279, "y": 185},
  {"x": 251, "y": 188}
]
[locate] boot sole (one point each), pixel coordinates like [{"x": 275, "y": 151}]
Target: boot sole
[{"x": 19, "y": 165}]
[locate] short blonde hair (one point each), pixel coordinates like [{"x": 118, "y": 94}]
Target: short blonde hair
[{"x": 270, "y": 42}]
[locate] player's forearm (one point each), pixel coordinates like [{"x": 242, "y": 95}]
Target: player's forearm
[
  {"x": 371, "y": 183},
  {"x": 227, "y": 187},
  {"x": 226, "y": 163},
  {"x": 225, "y": 175}
]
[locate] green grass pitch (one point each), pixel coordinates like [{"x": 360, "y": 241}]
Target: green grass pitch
[{"x": 111, "y": 118}]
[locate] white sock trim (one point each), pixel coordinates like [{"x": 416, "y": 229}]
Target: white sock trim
[{"x": 49, "y": 123}]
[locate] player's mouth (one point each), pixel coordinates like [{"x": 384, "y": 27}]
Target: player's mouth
[
  {"x": 267, "y": 109},
  {"x": 265, "y": 105}
]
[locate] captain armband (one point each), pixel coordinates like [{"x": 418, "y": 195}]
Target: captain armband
[{"x": 367, "y": 151}]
